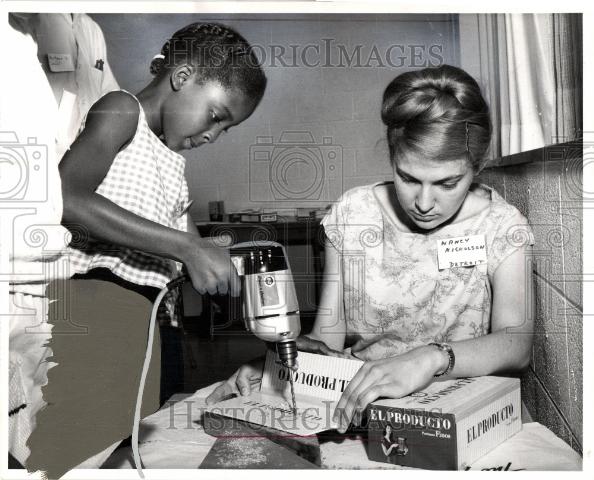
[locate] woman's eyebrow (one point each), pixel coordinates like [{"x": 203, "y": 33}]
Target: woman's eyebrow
[
  {"x": 451, "y": 178},
  {"x": 402, "y": 173}
]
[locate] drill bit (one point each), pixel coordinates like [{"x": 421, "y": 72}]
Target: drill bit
[
  {"x": 287, "y": 352},
  {"x": 293, "y": 394}
]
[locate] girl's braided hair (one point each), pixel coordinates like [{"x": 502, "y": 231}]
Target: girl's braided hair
[
  {"x": 220, "y": 54},
  {"x": 438, "y": 113}
]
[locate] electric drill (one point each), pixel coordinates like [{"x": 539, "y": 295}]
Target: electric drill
[{"x": 270, "y": 307}]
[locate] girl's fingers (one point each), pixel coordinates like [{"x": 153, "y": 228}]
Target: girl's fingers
[
  {"x": 202, "y": 284},
  {"x": 222, "y": 287},
  {"x": 211, "y": 287}
]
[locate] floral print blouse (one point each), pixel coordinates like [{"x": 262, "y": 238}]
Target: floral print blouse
[{"x": 391, "y": 282}]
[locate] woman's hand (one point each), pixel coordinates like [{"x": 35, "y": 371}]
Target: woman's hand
[
  {"x": 210, "y": 267},
  {"x": 392, "y": 377},
  {"x": 242, "y": 382},
  {"x": 249, "y": 376},
  {"x": 307, "y": 344}
]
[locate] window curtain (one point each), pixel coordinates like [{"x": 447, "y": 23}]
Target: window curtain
[
  {"x": 530, "y": 69},
  {"x": 567, "y": 38}
]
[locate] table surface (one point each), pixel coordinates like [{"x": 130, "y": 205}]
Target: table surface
[{"x": 173, "y": 437}]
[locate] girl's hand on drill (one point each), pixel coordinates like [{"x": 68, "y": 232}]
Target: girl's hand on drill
[
  {"x": 210, "y": 267},
  {"x": 246, "y": 379},
  {"x": 392, "y": 377},
  {"x": 307, "y": 344}
]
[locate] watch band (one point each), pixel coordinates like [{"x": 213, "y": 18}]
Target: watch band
[{"x": 452, "y": 358}]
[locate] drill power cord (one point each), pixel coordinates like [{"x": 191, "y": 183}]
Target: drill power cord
[{"x": 147, "y": 360}]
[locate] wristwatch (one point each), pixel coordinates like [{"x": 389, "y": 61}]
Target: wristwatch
[{"x": 452, "y": 358}]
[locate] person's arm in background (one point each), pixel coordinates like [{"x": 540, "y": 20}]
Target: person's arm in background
[
  {"x": 111, "y": 124},
  {"x": 506, "y": 349}
]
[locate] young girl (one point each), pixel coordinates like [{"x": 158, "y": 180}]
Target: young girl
[
  {"x": 408, "y": 286},
  {"x": 126, "y": 199}
]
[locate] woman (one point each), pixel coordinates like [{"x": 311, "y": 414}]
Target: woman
[{"x": 427, "y": 275}]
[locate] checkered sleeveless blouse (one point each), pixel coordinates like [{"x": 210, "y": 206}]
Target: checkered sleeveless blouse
[{"x": 145, "y": 178}]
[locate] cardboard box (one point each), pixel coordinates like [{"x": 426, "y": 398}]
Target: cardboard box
[{"x": 446, "y": 426}]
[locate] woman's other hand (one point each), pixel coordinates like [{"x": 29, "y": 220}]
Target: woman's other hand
[
  {"x": 392, "y": 377},
  {"x": 249, "y": 376},
  {"x": 245, "y": 380},
  {"x": 309, "y": 345}
]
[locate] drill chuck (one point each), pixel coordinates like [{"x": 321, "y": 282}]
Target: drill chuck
[{"x": 287, "y": 353}]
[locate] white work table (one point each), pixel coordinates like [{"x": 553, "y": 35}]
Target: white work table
[{"x": 173, "y": 438}]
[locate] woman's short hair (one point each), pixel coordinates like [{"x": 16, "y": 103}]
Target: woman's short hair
[{"x": 438, "y": 113}]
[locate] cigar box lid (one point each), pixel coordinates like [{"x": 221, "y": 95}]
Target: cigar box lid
[{"x": 459, "y": 396}]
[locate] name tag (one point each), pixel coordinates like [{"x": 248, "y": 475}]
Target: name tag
[
  {"x": 60, "y": 62},
  {"x": 461, "y": 251}
]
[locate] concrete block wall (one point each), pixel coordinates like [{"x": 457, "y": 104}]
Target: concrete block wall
[{"x": 548, "y": 192}]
